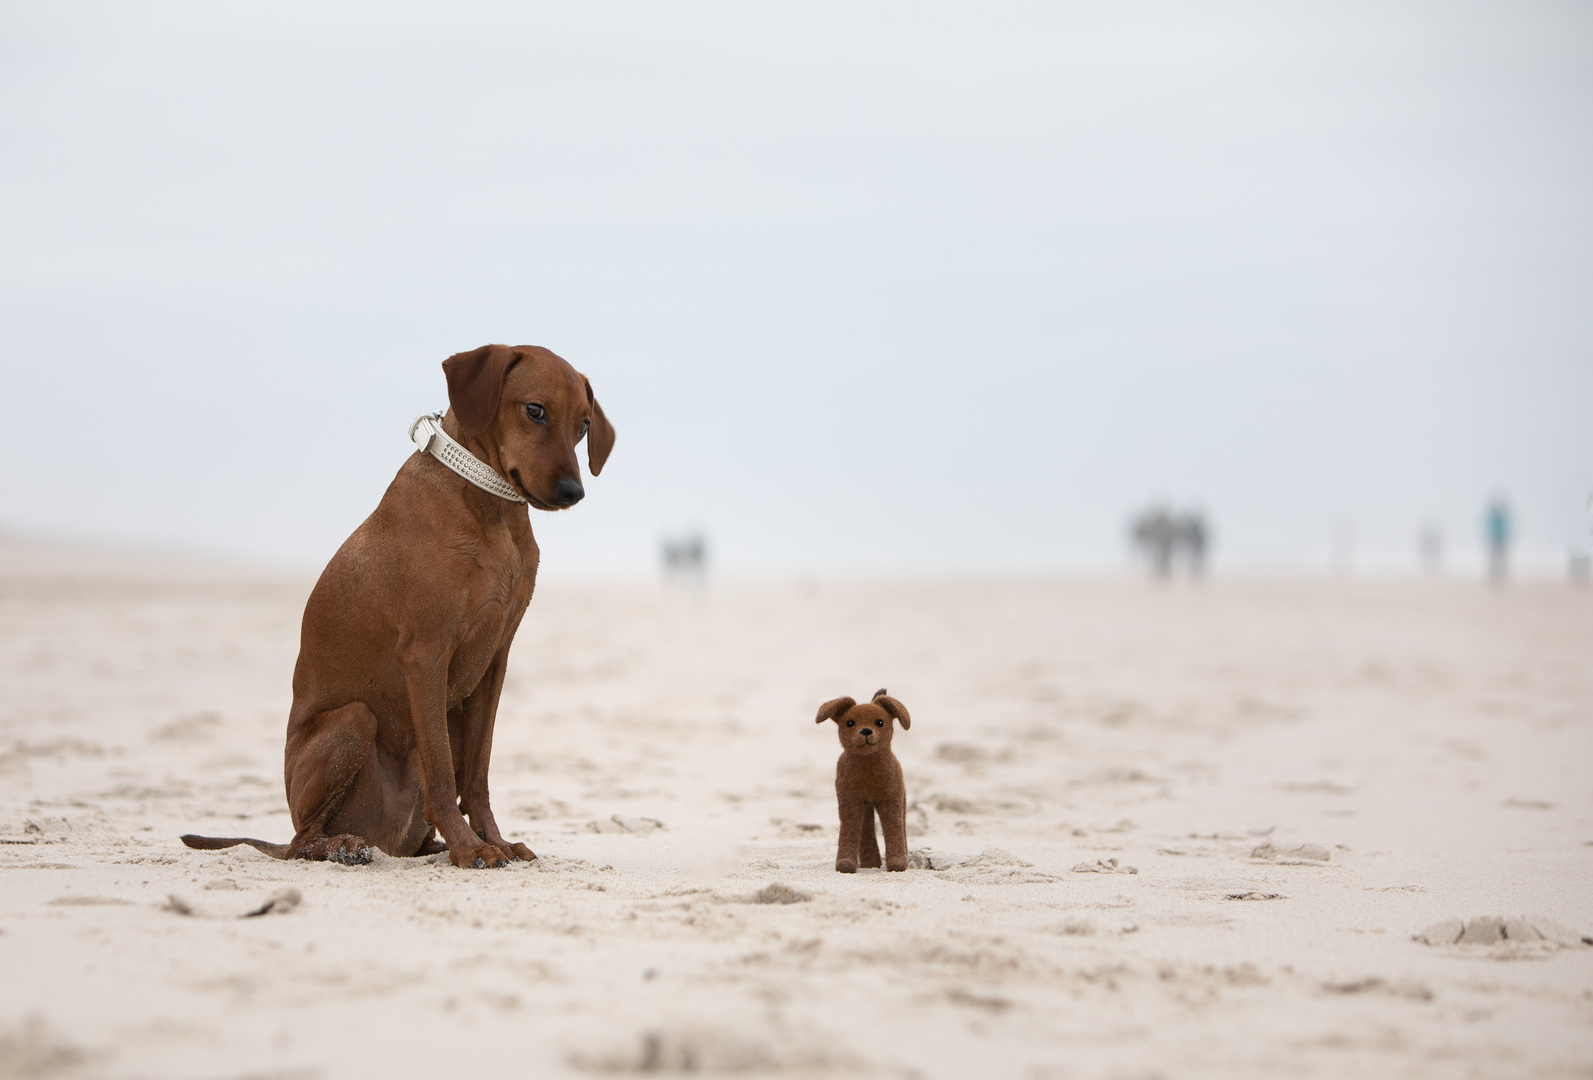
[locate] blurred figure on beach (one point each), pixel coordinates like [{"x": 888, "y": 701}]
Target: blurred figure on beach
[
  {"x": 1341, "y": 549},
  {"x": 1153, "y": 534},
  {"x": 1190, "y": 535},
  {"x": 1430, "y": 548},
  {"x": 1581, "y": 563},
  {"x": 1496, "y": 530},
  {"x": 685, "y": 557},
  {"x": 1165, "y": 538}
]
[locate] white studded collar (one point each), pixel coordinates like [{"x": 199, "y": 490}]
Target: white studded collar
[{"x": 429, "y": 438}]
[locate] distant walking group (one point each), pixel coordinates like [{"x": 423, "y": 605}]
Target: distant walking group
[
  {"x": 685, "y": 556},
  {"x": 1166, "y": 538}
]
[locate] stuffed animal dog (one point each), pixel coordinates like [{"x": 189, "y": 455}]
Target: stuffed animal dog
[{"x": 868, "y": 781}]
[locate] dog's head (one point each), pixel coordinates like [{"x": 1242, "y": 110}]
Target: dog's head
[
  {"x": 865, "y": 729},
  {"x": 530, "y": 409}
]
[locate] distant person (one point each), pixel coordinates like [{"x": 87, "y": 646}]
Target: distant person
[
  {"x": 1341, "y": 549},
  {"x": 1154, "y": 533},
  {"x": 1190, "y": 534},
  {"x": 1581, "y": 562},
  {"x": 1430, "y": 546},
  {"x": 1496, "y": 528},
  {"x": 685, "y": 557}
]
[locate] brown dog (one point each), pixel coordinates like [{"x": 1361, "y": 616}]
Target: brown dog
[
  {"x": 868, "y": 781},
  {"x": 406, "y": 635}
]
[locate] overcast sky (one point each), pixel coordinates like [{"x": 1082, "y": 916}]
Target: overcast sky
[{"x": 860, "y": 285}]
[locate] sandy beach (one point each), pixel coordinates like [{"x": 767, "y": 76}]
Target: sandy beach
[{"x": 1177, "y": 831}]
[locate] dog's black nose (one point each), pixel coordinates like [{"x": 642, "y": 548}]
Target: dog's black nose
[{"x": 570, "y": 491}]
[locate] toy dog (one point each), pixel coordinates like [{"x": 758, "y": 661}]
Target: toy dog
[{"x": 868, "y": 780}]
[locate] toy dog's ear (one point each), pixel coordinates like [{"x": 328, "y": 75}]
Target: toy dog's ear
[
  {"x": 895, "y": 708},
  {"x": 834, "y": 710}
]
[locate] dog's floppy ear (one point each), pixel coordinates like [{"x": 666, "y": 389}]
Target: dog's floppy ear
[
  {"x": 475, "y": 384},
  {"x": 834, "y": 710},
  {"x": 600, "y": 435},
  {"x": 895, "y": 708}
]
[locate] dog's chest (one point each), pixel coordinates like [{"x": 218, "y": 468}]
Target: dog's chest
[{"x": 495, "y": 601}]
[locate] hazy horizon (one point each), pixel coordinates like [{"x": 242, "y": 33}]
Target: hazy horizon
[{"x": 878, "y": 286}]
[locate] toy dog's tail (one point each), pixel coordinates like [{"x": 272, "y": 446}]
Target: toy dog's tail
[
  {"x": 881, "y": 692},
  {"x": 216, "y": 843}
]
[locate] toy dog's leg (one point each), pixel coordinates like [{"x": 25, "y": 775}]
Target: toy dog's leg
[
  {"x": 846, "y": 851},
  {"x": 868, "y": 849},
  {"x": 893, "y": 819}
]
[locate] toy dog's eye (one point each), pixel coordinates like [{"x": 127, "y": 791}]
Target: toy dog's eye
[
  {"x": 851, "y": 723},
  {"x": 879, "y": 723},
  {"x": 536, "y": 412}
]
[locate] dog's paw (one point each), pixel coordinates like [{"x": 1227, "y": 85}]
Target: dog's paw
[
  {"x": 478, "y": 857},
  {"x": 348, "y": 850}
]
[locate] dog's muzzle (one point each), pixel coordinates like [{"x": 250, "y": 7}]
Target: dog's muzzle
[{"x": 569, "y": 491}]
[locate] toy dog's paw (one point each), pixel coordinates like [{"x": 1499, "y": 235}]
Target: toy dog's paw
[
  {"x": 846, "y": 866},
  {"x": 896, "y": 862}
]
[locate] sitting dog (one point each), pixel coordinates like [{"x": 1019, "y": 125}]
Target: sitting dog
[
  {"x": 406, "y": 635},
  {"x": 868, "y": 781}
]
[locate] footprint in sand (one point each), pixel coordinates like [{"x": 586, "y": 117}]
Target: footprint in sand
[
  {"x": 778, "y": 893},
  {"x": 1376, "y": 984},
  {"x": 1300, "y": 855},
  {"x": 712, "y": 1048},
  {"x": 988, "y": 861},
  {"x": 280, "y": 903},
  {"x": 1503, "y": 930},
  {"x": 622, "y": 824},
  {"x": 1103, "y": 866}
]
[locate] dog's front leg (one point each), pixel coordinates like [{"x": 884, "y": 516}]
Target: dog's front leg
[
  {"x": 426, "y": 679},
  {"x": 470, "y": 737}
]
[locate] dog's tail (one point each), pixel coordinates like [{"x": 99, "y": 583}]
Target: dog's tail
[{"x": 216, "y": 843}]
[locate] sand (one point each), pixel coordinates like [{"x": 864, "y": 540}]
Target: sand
[{"x": 1250, "y": 828}]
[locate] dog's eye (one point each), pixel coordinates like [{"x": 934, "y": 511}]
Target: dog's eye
[
  {"x": 584, "y": 425},
  {"x": 536, "y": 412},
  {"x": 879, "y": 723},
  {"x": 851, "y": 723}
]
